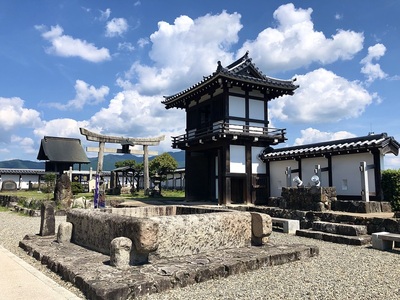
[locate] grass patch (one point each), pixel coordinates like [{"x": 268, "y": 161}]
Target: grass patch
[
  {"x": 4, "y": 209},
  {"x": 165, "y": 195},
  {"x": 35, "y": 197}
]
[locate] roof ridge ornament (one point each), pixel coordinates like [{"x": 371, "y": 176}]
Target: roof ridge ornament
[{"x": 219, "y": 66}]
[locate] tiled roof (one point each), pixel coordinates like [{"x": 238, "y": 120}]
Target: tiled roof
[
  {"x": 241, "y": 71},
  {"x": 359, "y": 144},
  {"x": 22, "y": 171},
  {"x": 58, "y": 149}
]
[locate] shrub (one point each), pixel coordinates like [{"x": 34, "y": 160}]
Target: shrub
[
  {"x": 391, "y": 188},
  {"x": 76, "y": 188}
]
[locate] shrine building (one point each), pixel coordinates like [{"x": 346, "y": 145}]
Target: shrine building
[{"x": 227, "y": 128}]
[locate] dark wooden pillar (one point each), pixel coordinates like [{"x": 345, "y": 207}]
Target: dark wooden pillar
[
  {"x": 330, "y": 174},
  {"x": 378, "y": 176},
  {"x": 248, "y": 188},
  {"x": 268, "y": 179},
  {"x": 226, "y": 179}
]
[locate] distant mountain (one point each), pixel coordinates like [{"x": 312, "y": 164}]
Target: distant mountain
[
  {"x": 21, "y": 164},
  {"x": 108, "y": 163}
]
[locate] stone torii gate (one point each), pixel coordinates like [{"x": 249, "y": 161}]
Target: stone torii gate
[{"x": 126, "y": 143}]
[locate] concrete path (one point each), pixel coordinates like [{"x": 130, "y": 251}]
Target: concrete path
[{"x": 19, "y": 280}]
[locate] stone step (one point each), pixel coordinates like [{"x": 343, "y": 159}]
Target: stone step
[
  {"x": 335, "y": 238},
  {"x": 340, "y": 228}
]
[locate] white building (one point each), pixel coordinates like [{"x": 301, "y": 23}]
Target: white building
[{"x": 339, "y": 163}]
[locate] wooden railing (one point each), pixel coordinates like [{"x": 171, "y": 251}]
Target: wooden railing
[{"x": 231, "y": 129}]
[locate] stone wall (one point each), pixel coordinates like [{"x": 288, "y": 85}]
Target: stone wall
[
  {"x": 95, "y": 229},
  {"x": 361, "y": 206},
  {"x": 175, "y": 231},
  {"x": 307, "y": 218},
  {"x": 193, "y": 234},
  {"x": 308, "y": 198}
]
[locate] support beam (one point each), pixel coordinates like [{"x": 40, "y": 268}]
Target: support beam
[
  {"x": 113, "y": 150},
  {"x": 96, "y": 137}
]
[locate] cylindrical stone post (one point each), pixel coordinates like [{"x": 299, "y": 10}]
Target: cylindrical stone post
[
  {"x": 64, "y": 233},
  {"x": 120, "y": 251}
]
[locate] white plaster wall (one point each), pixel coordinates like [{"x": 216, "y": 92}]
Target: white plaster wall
[
  {"x": 346, "y": 176},
  {"x": 237, "y": 107},
  {"x": 256, "y": 109},
  {"x": 24, "y": 180},
  {"x": 278, "y": 177},
  {"x": 308, "y": 166},
  {"x": 238, "y": 159},
  {"x": 257, "y": 166}
]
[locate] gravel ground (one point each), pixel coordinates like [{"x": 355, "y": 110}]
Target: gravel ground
[{"x": 340, "y": 271}]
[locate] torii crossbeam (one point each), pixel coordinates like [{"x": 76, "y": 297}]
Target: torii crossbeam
[{"x": 125, "y": 142}]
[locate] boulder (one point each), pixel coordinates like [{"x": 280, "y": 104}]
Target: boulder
[{"x": 63, "y": 192}]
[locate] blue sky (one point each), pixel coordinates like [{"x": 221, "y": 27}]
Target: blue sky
[{"x": 106, "y": 65}]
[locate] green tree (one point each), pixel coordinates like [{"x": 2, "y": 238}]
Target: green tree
[
  {"x": 391, "y": 188},
  {"x": 125, "y": 163},
  {"x": 162, "y": 165},
  {"x": 76, "y": 188}
]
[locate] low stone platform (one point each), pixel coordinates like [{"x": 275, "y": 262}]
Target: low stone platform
[
  {"x": 337, "y": 233},
  {"x": 91, "y": 272},
  {"x": 335, "y": 238}
]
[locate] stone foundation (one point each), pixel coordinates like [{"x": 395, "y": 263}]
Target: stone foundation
[{"x": 98, "y": 280}]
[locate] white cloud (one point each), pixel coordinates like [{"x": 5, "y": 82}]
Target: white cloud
[
  {"x": 126, "y": 46},
  {"x": 196, "y": 47},
  {"x": 370, "y": 70},
  {"x": 391, "y": 162},
  {"x": 104, "y": 15},
  {"x": 311, "y": 135},
  {"x": 14, "y": 115},
  {"x": 322, "y": 97},
  {"x": 294, "y": 43},
  {"x": 67, "y": 46},
  {"x": 133, "y": 115},
  {"x": 60, "y": 127},
  {"x": 143, "y": 42},
  {"x": 24, "y": 143},
  {"x": 85, "y": 95},
  {"x": 338, "y": 16},
  {"x": 116, "y": 27}
]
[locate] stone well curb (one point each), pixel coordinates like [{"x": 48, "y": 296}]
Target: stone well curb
[{"x": 91, "y": 271}]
